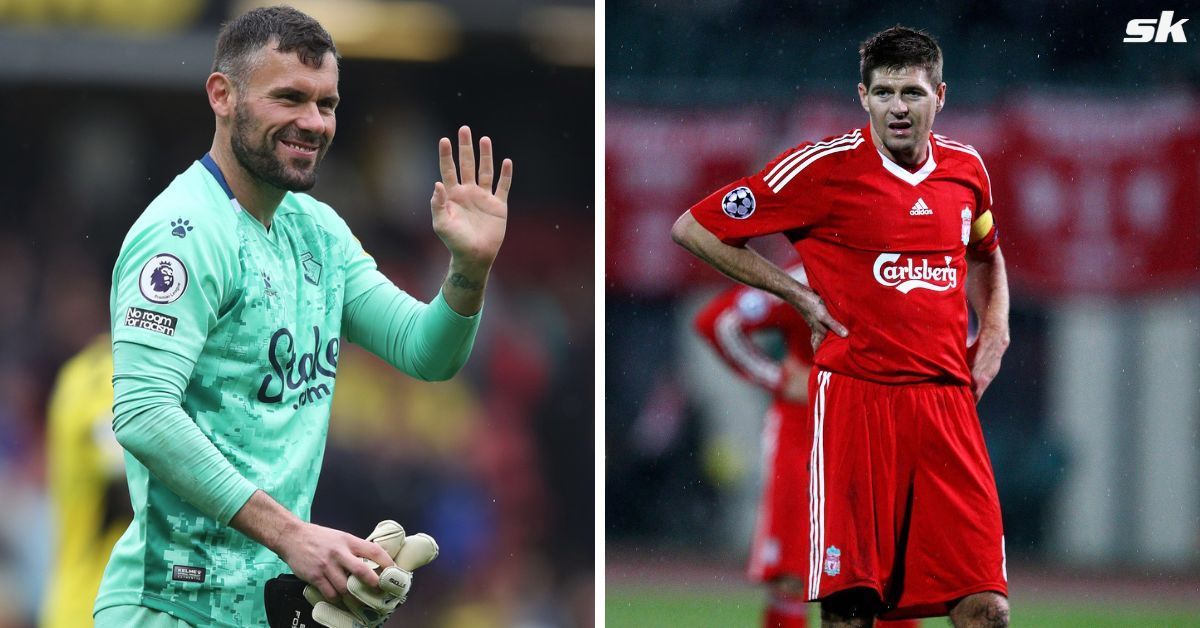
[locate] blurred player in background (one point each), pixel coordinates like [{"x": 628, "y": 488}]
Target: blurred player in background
[
  {"x": 87, "y": 484},
  {"x": 229, "y": 299},
  {"x": 895, "y": 230},
  {"x": 729, "y": 323}
]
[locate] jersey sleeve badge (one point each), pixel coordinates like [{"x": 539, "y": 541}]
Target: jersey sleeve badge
[
  {"x": 163, "y": 279},
  {"x": 738, "y": 203}
]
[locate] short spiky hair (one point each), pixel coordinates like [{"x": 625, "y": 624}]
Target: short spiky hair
[
  {"x": 241, "y": 39},
  {"x": 900, "y": 47}
]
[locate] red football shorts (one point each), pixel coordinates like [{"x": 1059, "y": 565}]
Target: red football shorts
[
  {"x": 901, "y": 496},
  {"x": 780, "y": 545}
]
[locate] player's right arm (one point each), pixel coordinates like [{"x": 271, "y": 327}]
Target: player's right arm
[
  {"x": 167, "y": 294},
  {"x": 744, "y": 264},
  {"x": 320, "y": 556},
  {"x": 716, "y": 230}
]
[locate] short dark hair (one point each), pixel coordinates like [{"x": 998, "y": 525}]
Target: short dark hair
[
  {"x": 243, "y": 36},
  {"x": 900, "y": 47}
]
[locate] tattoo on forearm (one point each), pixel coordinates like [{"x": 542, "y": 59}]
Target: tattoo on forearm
[{"x": 458, "y": 280}]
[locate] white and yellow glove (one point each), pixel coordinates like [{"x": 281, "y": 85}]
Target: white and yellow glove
[{"x": 370, "y": 607}]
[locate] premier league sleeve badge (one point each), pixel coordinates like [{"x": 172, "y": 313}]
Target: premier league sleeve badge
[{"x": 163, "y": 279}]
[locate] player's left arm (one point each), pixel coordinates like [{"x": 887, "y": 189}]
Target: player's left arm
[
  {"x": 987, "y": 292},
  {"x": 431, "y": 341},
  {"x": 470, "y": 218}
]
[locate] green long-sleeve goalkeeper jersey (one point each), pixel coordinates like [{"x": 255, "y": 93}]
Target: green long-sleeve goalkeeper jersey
[{"x": 225, "y": 343}]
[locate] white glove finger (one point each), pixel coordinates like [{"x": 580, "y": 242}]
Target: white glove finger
[
  {"x": 367, "y": 614},
  {"x": 418, "y": 550},
  {"x": 313, "y": 595},
  {"x": 395, "y": 582},
  {"x": 389, "y": 535},
  {"x": 330, "y": 615}
]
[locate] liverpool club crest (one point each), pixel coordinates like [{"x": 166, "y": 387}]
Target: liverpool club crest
[{"x": 833, "y": 561}]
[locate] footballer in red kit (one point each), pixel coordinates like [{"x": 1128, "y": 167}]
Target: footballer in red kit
[
  {"x": 894, "y": 226},
  {"x": 870, "y": 231},
  {"x": 778, "y": 554},
  {"x": 728, "y": 323}
]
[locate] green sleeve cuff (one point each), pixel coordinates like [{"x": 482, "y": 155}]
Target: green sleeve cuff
[
  {"x": 234, "y": 499},
  {"x": 440, "y": 303}
]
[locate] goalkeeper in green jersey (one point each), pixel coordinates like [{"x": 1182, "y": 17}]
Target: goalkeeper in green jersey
[{"x": 230, "y": 297}]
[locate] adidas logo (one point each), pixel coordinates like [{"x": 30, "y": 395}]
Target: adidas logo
[{"x": 920, "y": 209}]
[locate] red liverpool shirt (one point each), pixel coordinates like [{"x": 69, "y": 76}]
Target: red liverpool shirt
[{"x": 885, "y": 247}]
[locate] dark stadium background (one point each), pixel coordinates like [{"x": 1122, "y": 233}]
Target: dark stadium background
[
  {"x": 104, "y": 104},
  {"x": 1093, "y": 423}
]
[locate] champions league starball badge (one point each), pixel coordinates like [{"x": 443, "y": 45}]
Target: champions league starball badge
[
  {"x": 738, "y": 203},
  {"x": 163, "y": 279}
]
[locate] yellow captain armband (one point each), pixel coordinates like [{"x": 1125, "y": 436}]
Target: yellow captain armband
[{"x": 981, "y": 227}]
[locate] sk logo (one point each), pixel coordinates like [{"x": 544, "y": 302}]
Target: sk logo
[{"x": 1159, "y": 30}]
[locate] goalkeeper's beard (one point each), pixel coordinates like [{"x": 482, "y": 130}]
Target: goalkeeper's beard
[{"x": 263, "y": 161}]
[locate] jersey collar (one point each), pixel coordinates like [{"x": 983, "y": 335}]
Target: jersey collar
[
  {"x": 215, "y": 171},
  {"x": 911, "y": 178}
]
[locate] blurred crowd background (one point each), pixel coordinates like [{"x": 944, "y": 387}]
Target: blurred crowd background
[
  {"x": 1093, "y": 424},
  {"x": 105, "y": 104}
]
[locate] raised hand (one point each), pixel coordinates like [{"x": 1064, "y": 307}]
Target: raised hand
[{"x": 468, "y": 216}]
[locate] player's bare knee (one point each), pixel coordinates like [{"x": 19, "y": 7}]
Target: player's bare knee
[
  {"x": 853, "y": 608},
  {"x": 981, "y": 610}
]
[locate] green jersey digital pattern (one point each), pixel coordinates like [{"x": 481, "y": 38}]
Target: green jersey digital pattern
[{"x": 259, "y": 312}]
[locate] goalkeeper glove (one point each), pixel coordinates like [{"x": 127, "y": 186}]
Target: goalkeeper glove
[
  {"x": 288, "y": 605},
  {"x": 363, "y": 606}
]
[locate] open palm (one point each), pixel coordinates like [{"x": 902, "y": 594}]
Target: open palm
[{"x": 469, "y": 216}]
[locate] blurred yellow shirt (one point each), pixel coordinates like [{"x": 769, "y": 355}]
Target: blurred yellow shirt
[{"x": 83, "y": 458}]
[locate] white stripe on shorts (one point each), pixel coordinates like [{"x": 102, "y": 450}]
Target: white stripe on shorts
[{"x": 816, "y": 489}]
